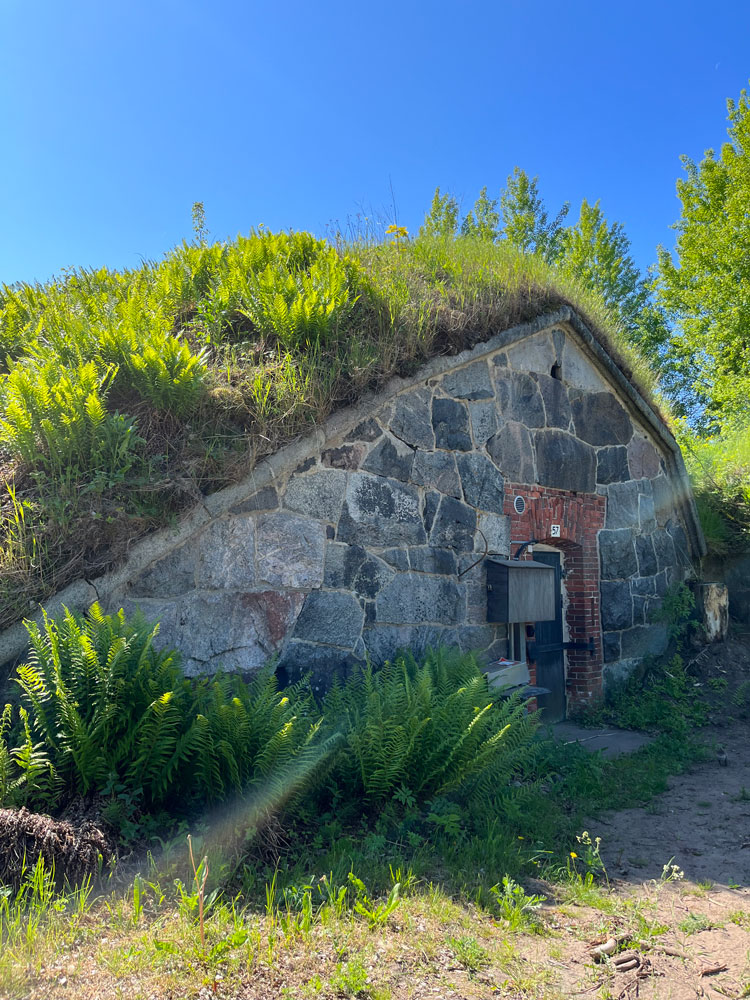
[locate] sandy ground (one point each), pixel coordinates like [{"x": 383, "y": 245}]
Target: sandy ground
[{"x": 702, "y": 822}]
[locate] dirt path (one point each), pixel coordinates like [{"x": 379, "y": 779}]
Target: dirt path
[{"x": 702, "y": 821}]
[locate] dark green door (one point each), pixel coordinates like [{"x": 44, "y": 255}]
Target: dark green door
[{"x": 549, "y": 653}]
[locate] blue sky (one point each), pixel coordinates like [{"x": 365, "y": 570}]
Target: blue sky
[{"x": 116, "y": 117}]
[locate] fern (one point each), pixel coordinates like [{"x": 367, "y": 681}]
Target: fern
[
  {"x": 106, "y": 709},
  {"x": 430, "y": 728},
  {"x": 7, "y": 766}
]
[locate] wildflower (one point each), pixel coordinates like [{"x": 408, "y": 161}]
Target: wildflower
[
  {"x": 398, "y": 232},
  {"x": 573, "y": 854}
]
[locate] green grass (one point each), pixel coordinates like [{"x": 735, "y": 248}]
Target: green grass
[{"x": 125, "y": 396}]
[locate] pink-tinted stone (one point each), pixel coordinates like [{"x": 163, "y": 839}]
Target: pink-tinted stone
[{"x": 643, "y": 459}]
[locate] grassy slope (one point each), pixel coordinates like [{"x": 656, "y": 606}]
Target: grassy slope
[{"x": 125, "y": 396}]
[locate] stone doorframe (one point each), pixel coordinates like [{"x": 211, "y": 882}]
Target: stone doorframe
[{"x": 579, "y": 518}]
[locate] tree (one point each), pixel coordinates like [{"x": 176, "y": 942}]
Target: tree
[
  {"x": 526, "y": 224},
  {"x": 599, "y": 255},
  {"x": 442, "y": 218},
  {"x": 704, "y": 285},
  {"x": 483, "y": 220}
]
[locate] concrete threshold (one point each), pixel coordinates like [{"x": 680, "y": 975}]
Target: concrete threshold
[{"x": 611, "y": 741}]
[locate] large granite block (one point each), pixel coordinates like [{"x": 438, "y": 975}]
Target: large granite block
[
  {"x": 412, "y": 419},
  {"x": 471, "y": 382},
  {"x": 170, "y": 576},
  {"x": 380, "y": 512},
  {"x": 438, "y": 470},
  {"x": 622, "y": 505},
  {"x": 390, "y": 458},
  {"x": 290, "y": 551},
  {"x": 612, "y": 465},
  {"x": 556, "y": 402},
  {"x": 226, "y": 554},
  {"x": 450, "y": 420},
  {"x": 482, "y": 483},
  {"x": 454, "y": 525},
  {"x": 413, "y": 598},
  {"x": 331, "y": 617},
  {"x": 617, "y": 605},
  {"x": 564, "y": 462},
  {"x": 512, "y": 451},
  {"x": 318, "y": 493},
  {"x": 600, "y": 419},
  {"x": 617, "y": 554}
]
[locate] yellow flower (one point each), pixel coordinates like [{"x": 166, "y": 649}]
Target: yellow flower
[
  {"x": 521, "y": 838},
  {"x": 573, "y": 854},
  {"x": 400, "y": 232}
]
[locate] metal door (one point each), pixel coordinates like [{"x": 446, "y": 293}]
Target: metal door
[{"x": 549, "y": 653}]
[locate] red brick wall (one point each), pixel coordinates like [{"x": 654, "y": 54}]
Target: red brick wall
[{"x": 581, "y": 517}]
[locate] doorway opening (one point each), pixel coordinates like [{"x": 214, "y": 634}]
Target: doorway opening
[{"x": 548, "y": 650}]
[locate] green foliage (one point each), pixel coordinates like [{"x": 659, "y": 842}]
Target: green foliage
[
  {"x": 350, "y": 979},
  {"x": 429, "y": 728},
  {"x": 200, "y": 231},
  {"x": 702, "y": 286},
  {"x": 468, "y": 952},
  {"x": 55, "y": 421},
  {"x": 112, "y": 715},
  {"x": 27, "y": 778},
  {"x": 516, "y": 907},
  {"x": 677, "y": 612},
  {"x": 482, "y": 222},
  {"x": 592, "y": 252},
  {"x": 599, "y": 253},
  {"x": 525, "y": 222},
  {"x": 104, "y": 712},
  {"x": 659, "y": 697},
  {"x": 375, "y": 913},
  {"x": 719, "y": 467},
  {"x": 741, "y": 699},
  {"x": 442, "y": 219}
]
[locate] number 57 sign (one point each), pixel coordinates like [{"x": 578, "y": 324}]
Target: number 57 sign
[{"x": 554, "y": 531}]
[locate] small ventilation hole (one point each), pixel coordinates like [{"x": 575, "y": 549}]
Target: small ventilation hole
[
  {"x": 556, "y": 371},
  {"x": 519, "y": 505}
]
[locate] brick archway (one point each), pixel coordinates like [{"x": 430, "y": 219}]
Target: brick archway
[{"x": 579, "y": 517}]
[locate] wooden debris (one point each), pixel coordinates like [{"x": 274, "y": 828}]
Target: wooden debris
[
  {"x": 603, "y": 950},
  {"x": 72, "y": 850},
  {"x": 711, "y": 970}
]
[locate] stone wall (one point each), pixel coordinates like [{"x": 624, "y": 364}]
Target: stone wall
[
  {"x": 368, "y": 545},
  {"x": 368, "y": 536}
]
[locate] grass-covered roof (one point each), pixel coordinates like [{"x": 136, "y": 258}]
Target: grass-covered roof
[{"x": 126, "y": 395}]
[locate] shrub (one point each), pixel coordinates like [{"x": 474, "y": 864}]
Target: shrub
[
  {"x": 56, "y": 421},
  {"x": 414, "y": 730},
  {"x": 113, "y": 715},
  {"x": 105, "y": 713},
  {"x": 719, "y": 467}
]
